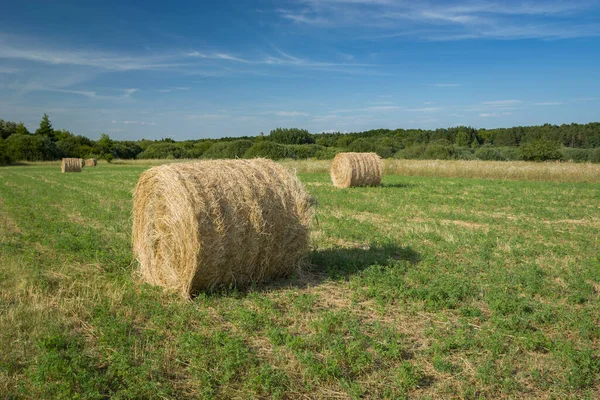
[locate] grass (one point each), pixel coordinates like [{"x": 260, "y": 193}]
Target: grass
[{"x": 425, "y": 287}]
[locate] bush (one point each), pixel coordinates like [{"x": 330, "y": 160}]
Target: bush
[
  {"x": 576, "y": 155},
  {"x": 233, "y": 149},
  {"x": 327, "y": 153},
  {"x": 595, "y": 155},
  {"x": 463, "y": 154},
  {"x": 4, "y": 157},
  {"x": 291, "y": 136},
  {"x": 31, "y": 148},
  {"x": 161, "y": 150},
  {"x": 489, "y": 154},
  {"x": 509, "y": 153},
  {"x": 437, "y": 152},
  {"x": 266, "y": 149},
  {"x": 302, "y": 151},
  {"x": 411, "y": 153},
  {"x": 198, "y": 149},
  {"x": 363, "y": 145},
  {"x": 540, "y": 150}
]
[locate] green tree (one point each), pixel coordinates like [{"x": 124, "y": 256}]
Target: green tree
[
  {"x": 291, "y": 136},
  {"x": 21, "y": 129},
  {"x": 540, "y": 150},
  {"x": 104, "y": 145},
  {"x": 463, "y": 139},
  {"x": 45, "y": 128}
]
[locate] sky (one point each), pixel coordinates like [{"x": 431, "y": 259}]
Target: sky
[{"x": 194, "y": 69}]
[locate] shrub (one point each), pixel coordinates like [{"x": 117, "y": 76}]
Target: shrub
[
  {"x": 576, "y": 155},
  {"x": 327, "y": 153},
  {"x": 161, "y": 150},
  {"x": 266, "y": 149},
  {"x": 437, "y": 152},
  {"x": 489, "y": 154},
  {"x": 362, "y": 145},
  {"x": 31, "y": 148},
  {"x": 509, "y": 153},
  {"x": 4, "y": 157},
  {"x": 234, "y": 149},
  {"x": 540, "y": 150},
  {"x": 463, "y": 154},
  {"x": 291, "y": 136},
  {"x": 595, "y": 155},
  {"x": 302, "y": 151},
  {"x": 411, "y": 153}
]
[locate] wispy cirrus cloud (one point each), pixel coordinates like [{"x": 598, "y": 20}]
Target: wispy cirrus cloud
[
  {"x": 290, "y": 114},
  {"x": 489, "y": 115},
  {"x": 441, "y": 20},
  {"x": 548, "y": 103},
  {"x": 502, "y": 103}
]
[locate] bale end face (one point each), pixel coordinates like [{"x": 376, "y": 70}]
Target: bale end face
[
  {"x": 71, "y": 165},
  {"x": 356, "y": 169},
  {"x": 203, "y": 224}
]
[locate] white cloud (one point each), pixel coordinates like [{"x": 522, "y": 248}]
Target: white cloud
[
  {"x": 489, "y": 115},
  {"x": 549, "y": 103},
  {"x": 291, "y": 114},
  {"x": 442, "y": 20},
  {"x": 502, "y": 103},
  {"x": 424, "y": 109}
]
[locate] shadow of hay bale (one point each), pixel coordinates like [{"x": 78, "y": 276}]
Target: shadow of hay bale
[
  {"x": 333, "y": 264},
  {"x": 398, "y": 185},
  {"x": 341, "y": 262}
]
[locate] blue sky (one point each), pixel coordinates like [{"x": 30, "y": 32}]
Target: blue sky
[{"x": 193, "y": 69}]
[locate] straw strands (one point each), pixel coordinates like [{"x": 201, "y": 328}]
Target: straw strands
[
  {"x": 356, "y": 169},
  {"x": 202, "y": 224},
  {"x": 71, "y": 165}
]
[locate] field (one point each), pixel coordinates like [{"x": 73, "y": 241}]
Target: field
[{"x": 426, "y": 287}]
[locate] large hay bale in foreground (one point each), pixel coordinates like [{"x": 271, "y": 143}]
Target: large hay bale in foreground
[
  {"x": 201, "y": 224},
  {"x": 70, "y": 165},
  {"x": 82, "y": 162},
  {"x": 356, "y": 169},
  {"x": 91, "y": 162}
]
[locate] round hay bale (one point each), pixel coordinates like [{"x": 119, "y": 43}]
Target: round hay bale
[
  {"x": 202, "y": 224},
  {"x": 91, "y": 162},
  {"x": 82, "y": 162},
  {"x": 70, "y": 165},
  {"x": 356, "y": 169}
]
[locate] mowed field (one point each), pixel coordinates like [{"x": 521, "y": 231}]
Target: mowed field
[{"x": 425, "y": 287}]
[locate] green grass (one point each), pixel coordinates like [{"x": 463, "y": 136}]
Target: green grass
[{"x": 425, "y": 287}]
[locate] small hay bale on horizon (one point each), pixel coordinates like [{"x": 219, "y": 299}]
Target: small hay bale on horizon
[
  {"x": 356, "y": 169},
  {"x": 91, "y": 162},
  {"x": 200, "y": 225},
  {"x": 70, "y": 165}
]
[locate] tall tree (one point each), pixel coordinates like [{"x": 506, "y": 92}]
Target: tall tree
[{"x": 45, "y": 127}]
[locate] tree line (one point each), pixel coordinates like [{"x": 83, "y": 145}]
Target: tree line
[{"x": 574, "y": 142}]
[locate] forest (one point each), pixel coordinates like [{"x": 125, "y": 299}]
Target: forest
[{"x": 567, "y": 142}]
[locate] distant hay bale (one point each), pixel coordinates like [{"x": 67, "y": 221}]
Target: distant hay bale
[
  {"x": 91, "y": 162},
  {"x": 356, "y": 169},
  {"x": 202, "y": 224},
  {"x": 71, "y": 165}
]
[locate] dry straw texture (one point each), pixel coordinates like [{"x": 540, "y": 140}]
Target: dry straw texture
[
  {"x": 202, "y": 224},
  {"x": 70, "y": 165},
  {"x": 91, "y": 162},
  {"x": 356, "y": 169}
]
